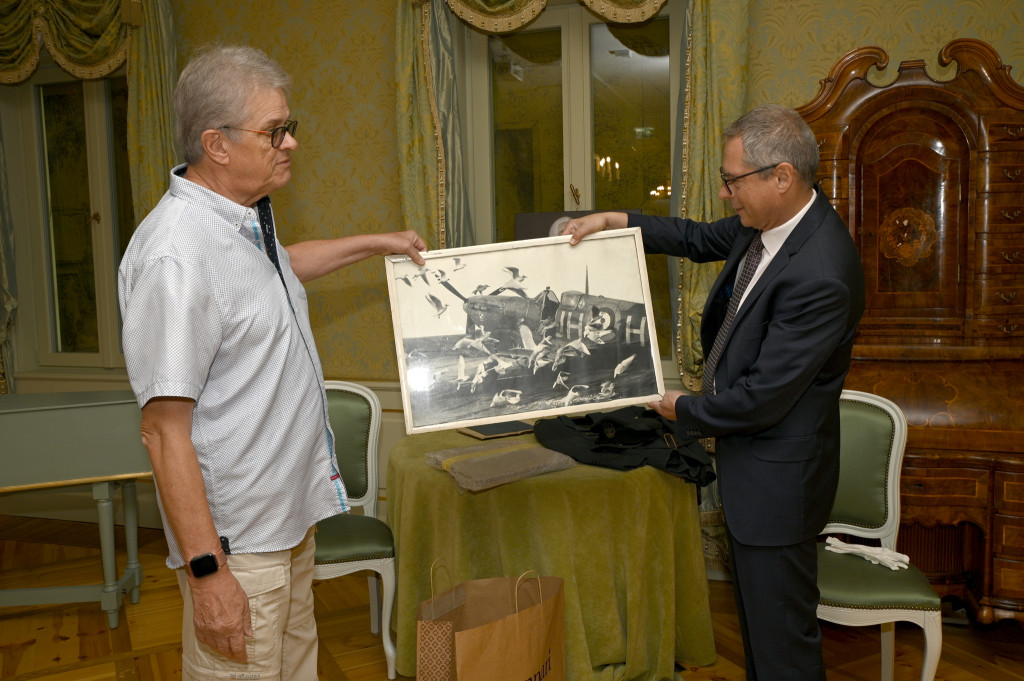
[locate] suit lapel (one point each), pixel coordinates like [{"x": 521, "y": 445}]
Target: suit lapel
[
  {"x": 718, "y": 300},
  {"x": 807, "y": 226}
]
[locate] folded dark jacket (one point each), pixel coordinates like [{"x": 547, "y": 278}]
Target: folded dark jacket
[{"x": 625, "y": 439}]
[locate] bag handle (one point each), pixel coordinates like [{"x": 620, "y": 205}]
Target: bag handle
[
  {"x": 540, "y": 586},
  {"x": 450, "y": 583}
]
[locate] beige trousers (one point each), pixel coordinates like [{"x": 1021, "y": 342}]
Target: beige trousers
[{"x": 284, "y": 645}]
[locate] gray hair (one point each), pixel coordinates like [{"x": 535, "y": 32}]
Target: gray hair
[
  {"x": 773, "y": 134},
  {"x": 214, "y": 89}
]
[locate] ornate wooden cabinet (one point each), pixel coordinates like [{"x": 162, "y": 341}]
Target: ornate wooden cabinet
[{"x": 930, "y": 178}]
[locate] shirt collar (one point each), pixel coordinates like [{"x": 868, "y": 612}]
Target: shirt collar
[
  {"x": 773, "y": 239},
  {"x": 236, "y": 215}
]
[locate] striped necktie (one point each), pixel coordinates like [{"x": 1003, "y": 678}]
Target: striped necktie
[{"x": 753, "y": 259}]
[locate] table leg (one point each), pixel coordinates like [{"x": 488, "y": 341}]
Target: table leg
[
  {"x": 133, "y": 570},
  {"x": 111, "y": 595}
]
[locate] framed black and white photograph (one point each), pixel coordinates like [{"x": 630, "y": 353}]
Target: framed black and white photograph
[{"x": 523, "y": 329}]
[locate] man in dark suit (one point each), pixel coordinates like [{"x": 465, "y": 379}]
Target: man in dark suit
[{"x": 774, "y": 370}]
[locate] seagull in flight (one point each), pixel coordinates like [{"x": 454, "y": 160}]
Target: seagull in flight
[
  {"x": 622, "y": 366},
  {"x": 439, "y": 307}
]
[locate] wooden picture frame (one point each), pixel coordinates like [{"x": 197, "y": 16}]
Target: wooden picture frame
[{"x": 523, "y": 329}]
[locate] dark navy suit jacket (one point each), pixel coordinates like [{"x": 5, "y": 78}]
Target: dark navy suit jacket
[{"x": 775, "y": 412}]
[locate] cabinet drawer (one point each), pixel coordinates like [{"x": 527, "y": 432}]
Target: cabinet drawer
[
  {"x": 1004, "y": 327},
  {"x": 999, "y": 254},
  {"x": 1009, "y": 492},
  {"x": 1003, "y": 212},
  {"x": 1008, "y": 535},
  {"x": 944, "y": 486},
  {"x": 998, "y": 296},
  {"x": 1008, "y": 578},
  {"x": 1001, "y": 172},
  {"x": 1005, "y": 134}
]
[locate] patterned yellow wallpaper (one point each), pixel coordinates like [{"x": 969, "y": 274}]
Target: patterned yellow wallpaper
[
  {"x": 341, "y": 56},
  {"x": 794, "y": 43}
]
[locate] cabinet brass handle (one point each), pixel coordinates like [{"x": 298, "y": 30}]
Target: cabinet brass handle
[
  {"x": 1010, "y": 216},
  {"x": 1007, "y": 297},
  {"x": 1010, "y": 257},
  {"x": 1013, "y": 175},
  {"x": 1008, "y": 328},
  {"x": 1014, "y": 132}
]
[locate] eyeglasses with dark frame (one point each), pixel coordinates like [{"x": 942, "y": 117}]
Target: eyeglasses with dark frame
[
  {"x": 726, "y": 179},
  {"x": 276, "y": 134}
]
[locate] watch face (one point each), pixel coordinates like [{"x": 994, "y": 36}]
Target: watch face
[{"x": 203, "y": 565}]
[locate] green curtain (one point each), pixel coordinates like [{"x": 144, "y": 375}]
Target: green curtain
[
  {"x": 506, "y": 16},
  {"x": 458, "y": 227},
  {"x": 421, "y": 167},
  {"x": 152, "y": 74},
  {"x": 715, "y": 94},
  {"x": 624, "y": 11},
  {"x": 87, "y": 38},
  {"x": 8, "y": 291},
  {"x": 497, "y": 16}
]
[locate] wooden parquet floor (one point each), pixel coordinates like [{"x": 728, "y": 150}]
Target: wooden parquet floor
[{"x": 72, "y": 642}]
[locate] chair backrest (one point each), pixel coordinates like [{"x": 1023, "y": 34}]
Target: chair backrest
[
  {"x": 354, "y": 412},
  {"x": 873, "y": 437}
]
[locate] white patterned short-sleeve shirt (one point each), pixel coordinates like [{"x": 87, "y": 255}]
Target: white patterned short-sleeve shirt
[{"x": 207, "y": 316}]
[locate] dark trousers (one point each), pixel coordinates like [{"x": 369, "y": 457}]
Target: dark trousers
[{"x": 777, "y": 598}]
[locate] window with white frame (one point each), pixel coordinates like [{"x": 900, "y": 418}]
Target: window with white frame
[
  {"x": 67, "y": 167},
  {"x": 573, "y": 113}
]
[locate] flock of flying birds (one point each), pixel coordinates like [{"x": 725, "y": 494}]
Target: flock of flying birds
[
  {"x": 514, "y": 284},
  {"x": 527, "y": 356}
]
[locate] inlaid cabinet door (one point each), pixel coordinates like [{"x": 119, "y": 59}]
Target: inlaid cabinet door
[{"x": 911, "y": 169}]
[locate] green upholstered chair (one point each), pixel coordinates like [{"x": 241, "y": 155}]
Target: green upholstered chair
[
  {"x": 854, "y": 591},
  {"x": 348, "y": 542}
]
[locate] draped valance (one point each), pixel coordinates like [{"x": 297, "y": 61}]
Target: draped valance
[
  {"x": 505, "y": 16},
  {"x": 87, "y": 38}
]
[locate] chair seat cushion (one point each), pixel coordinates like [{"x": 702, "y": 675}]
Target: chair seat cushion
[
  {"x": 848, "y": 580},
  {"x": 347, "y": 537}
]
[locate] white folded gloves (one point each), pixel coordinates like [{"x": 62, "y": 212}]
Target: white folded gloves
[{"x": 875, "y": 554}]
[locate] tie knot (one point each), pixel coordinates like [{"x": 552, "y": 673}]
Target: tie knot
[{"x": 756, "y": 243}]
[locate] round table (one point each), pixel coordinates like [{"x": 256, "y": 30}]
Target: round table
[{"x": 627, "y": 544}]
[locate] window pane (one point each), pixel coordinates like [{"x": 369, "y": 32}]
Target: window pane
[
  {"x": 70, "y": 226},
  {"x": 632, "y": 126},
  {"x": 125, "y": 220},
  {"x": 526, "y": 90},
  {"x": 631, "y": 99}
]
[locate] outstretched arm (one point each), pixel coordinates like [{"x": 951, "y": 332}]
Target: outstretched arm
[
  {"x": 595, "y": 222},
  {"x": 315, "y": 258}
]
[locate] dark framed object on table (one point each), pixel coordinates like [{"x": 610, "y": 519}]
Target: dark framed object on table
[{"x": 524, "y": 329}]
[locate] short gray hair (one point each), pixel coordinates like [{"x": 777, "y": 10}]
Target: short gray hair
[
  {"x": 214, "y": 89},
  {"x": 775, "y": 134}
]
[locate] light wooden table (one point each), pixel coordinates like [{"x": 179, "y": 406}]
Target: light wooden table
[{"x": 66, "y": 439}]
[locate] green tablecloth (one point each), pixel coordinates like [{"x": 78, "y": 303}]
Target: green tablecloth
[{"x": 628, "y": 546}]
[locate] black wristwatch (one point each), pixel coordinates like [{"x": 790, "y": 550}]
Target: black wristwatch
[{"x": 208, "y": 563}]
